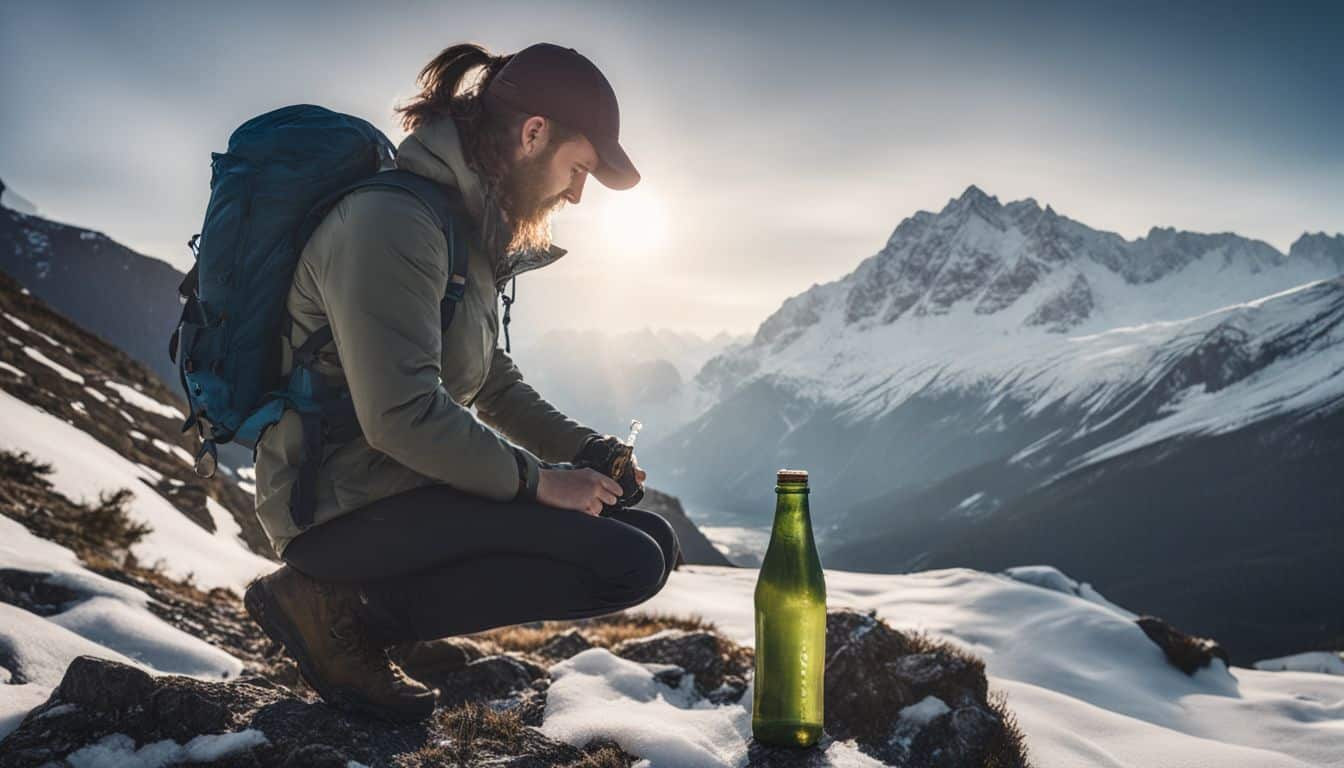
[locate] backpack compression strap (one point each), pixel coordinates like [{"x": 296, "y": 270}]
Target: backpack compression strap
[{"x": 327, "y": 412}]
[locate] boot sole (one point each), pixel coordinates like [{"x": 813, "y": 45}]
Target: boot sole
[{"x": 264, "y": 609}]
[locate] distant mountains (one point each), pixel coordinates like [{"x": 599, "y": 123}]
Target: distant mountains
[
  {"x": 995, "y": 356},
  {"x": 606, "y": 379},
  {"x": 125, "y": 297}
]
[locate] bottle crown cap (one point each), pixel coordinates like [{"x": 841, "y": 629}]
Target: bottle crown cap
[{"x": 791, "y": 476}]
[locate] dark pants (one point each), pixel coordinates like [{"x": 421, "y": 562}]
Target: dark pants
[{"x": 435, "y": 561}]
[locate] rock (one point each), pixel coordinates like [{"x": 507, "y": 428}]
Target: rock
[
  {"x": 95, "y": 683},
  {"x": 910, "y": 701},
  {"x": 1185, "y": 652},
  {"x": 564, "y": 645},
  {"x": 698, "y": 652},
  {"x": 488, "y": 678},
  {"x": 863, "y": 694},
  {"x": 317, "y": 756},
  {"x": 432, "y": 661},
  {"x": 953, "y": 679},
  {"x": 763, "y": 756}
]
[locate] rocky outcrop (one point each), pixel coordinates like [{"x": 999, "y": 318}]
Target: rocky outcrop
[
  {"x": 1185, "y": 652},
  {"x": 912, "y": 701}
]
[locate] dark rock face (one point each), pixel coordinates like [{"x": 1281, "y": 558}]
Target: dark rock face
[
  {"x": 489, "y": 678},
  {"x": 720, "y": 674},
  {"x": 563, "y": 646},
  {"x": 1185, "y": 652},
  {"x": 910, "y": 701}
]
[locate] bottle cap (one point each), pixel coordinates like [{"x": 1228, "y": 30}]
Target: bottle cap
[{"x": 791, "y": 476}]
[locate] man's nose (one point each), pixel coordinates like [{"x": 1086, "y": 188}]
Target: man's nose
[{"x": 575, "y": 191}]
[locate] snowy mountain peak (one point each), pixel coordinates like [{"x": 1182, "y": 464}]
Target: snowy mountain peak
[
  {"x": 1035, "y": 268},
  {"x": 1319, "y": 248}
]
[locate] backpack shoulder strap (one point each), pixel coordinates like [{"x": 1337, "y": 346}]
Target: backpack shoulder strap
[{"x": 443, "y": 201}]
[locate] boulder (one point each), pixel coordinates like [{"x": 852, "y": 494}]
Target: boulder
[
  {"x": 700, "y": 652},
  {"x": 1187, "y": 653},
  {"x": 911, "y": 701},
  {"x": 564, "y": 645},
  {"x": 488, "y": 679}
]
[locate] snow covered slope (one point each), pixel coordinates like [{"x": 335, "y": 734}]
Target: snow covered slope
[
  {"x": 84, "y": 467},
  {"x": 1089, "y": 688},
  {"x": 98, "y": 617}
]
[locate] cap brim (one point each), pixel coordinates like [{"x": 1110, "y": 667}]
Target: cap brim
[{"x": 614, "y": 170}]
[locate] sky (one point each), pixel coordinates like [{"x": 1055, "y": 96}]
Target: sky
[{"x": 780, "y": 143}]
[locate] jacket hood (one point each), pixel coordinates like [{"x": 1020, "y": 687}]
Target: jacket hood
[{"x": 434, "y": 150}]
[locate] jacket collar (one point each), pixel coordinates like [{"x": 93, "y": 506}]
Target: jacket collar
[{"x": 434, "y": 150}]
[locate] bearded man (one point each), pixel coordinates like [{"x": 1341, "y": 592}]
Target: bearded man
[{"x": 437, "y": 521}]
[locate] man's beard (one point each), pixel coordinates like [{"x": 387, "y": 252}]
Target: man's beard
[{"x": 524, "y": 200}]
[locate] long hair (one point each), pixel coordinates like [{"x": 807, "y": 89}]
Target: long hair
[{"x": 488, "y": 134}]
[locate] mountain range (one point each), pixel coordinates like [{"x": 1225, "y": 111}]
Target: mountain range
[{"x": 1001, "y": 384}]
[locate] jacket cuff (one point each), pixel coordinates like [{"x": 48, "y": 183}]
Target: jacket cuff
[{"x": 529, "y": 474}]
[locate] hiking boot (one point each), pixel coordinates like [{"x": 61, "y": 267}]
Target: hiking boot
[
  {"x": 318, "y": 624},
  {"x": 429, "y": 661}
]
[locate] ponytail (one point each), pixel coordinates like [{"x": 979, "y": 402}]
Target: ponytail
[{"x": 442, "y": 79}]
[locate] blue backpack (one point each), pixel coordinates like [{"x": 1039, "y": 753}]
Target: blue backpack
[{"x": 281, "y": 174}]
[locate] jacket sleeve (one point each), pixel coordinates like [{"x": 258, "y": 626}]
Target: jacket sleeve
[
  {"x": 381, "y": 284},
  {"x": 513, "y": 407}
]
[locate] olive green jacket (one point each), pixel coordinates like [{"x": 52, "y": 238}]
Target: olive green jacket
[{"x": 375, "y": 269}]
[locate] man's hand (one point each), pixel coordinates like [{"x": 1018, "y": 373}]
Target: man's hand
[{"x": 582, "y": 490}]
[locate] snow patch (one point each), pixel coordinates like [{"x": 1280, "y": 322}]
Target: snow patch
[
  {"x": 1323, "y": 662},
  {"x": 135, "y": 397},
  {"x": 83, "y": 467},
  {"x": 118, "y": 750},
  {"x": 65, "y": 373}
]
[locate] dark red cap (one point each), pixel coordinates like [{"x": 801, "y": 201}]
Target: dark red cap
[{"x": 561, "y": 83}]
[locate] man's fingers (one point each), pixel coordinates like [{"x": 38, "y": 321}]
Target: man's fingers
[
  {"x": 593, "y": 508},
  {"x": 607, "y": 498},
  {"x": 610, "y": 485}
]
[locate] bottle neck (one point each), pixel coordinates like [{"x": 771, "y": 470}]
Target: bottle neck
[{"x": 793, "y": 519}]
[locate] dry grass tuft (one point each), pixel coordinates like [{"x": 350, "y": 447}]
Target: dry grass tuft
[
  {"x": 603, "y": 631},
  {"x": 1009, "y": 749}
]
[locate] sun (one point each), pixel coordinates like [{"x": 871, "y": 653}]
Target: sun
[{"x": 635, "y": 220}]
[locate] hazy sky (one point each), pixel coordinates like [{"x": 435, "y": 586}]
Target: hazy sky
[{"x": 780, "y": 143}]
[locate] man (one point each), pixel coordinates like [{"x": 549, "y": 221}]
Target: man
[{"x": 430, "y": 524}]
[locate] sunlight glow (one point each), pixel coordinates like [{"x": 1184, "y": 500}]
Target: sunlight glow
[{"x": 635, "y": 220}]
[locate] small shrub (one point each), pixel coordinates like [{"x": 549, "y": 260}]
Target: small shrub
[
  {"x": 23, "y": 469},
  {"x": 108, "y": 523}
]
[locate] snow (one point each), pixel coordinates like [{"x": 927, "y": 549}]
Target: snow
[
  {"x": 96, "y": 395},
  {"x": 925, "y": 710},
  {"x": 1088, "y": 687},
  {"x": 110, "y": 620},
  {"x": 135, "y": 397},
  {"x": 1154, "y": 301},
  {"x": 82, "y": 467},
  {"x": 176, "y": 450},
  {"x": 1324, "y": 662},
  {"x": 118, "y": 750},
  {"x": 17, "y": 321},
  {"x": 65, "y": 373},
  {"x": 11, "y": 369},
  {"x": 596, "y": 693}
]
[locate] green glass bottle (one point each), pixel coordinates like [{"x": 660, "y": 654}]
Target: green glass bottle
[{"x": 790, "y": 625}]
